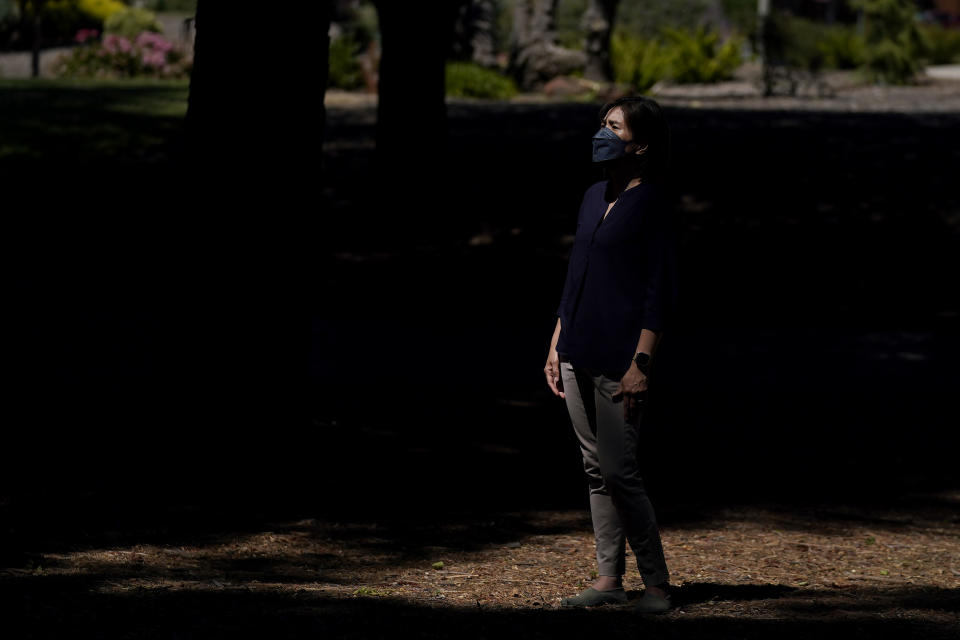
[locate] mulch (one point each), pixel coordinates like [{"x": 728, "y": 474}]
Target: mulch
[{"x": 750, "y": 571}]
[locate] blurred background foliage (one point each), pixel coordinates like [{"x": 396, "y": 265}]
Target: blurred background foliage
[
  {"x": 469, "y": 80},
  {"x": 638, "y": 62},
  {"x": 894, "y": 45},
  {"x": 805, "y": 44},
  {"x": 643, "y": 19},
  {"x": 683, "y": 41},
  {"x": 942, "y": 44},
  {"x": 62, "y": 19},
  {"x": 680, "y": 41},
  {"x": 676, "y": 54},
  {"x": 130, "y": 21},
  {"x": 696, "y": 56},
  {"x": 345, "y": 72}
]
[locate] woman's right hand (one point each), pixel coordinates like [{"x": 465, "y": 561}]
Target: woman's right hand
[{"x": 552, "y": 371}]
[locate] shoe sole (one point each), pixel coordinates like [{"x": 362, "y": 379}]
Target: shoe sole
[
  {"x": 587, "y": 606},
  {"x": 594, "y": 604},
  {"x": 639, "y": 608}
]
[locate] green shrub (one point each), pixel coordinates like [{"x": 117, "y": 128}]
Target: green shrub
[
  {"x": 345, "y": 71},
  {"x": 694, "y": 56},
  {"x": 942, "y": 45},
  {"x": 131, "y": 21},
  {"x": 639, "y": 62},
  {"x": 890, "y": 62},
  {"x": 100, "y": 9},
  {"x": 894, "y": 43},
  {"x": 812, "y": 46},
  {"x": 841, "y": 47},
  {"x": 469, "y": 80},
  {"x": 681, "y": 55},
  {"x": 793, "y": 42}
]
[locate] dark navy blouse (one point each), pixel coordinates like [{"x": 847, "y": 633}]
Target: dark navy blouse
[{"x": 621, "y": 278}]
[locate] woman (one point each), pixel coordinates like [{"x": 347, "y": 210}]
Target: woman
[{"x": 619, "y": 294}]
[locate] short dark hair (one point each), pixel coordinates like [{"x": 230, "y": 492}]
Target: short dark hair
[{"x": 648, "y": 125}]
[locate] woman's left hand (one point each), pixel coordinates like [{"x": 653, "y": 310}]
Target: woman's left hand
[{"x": 633, "y": 387}]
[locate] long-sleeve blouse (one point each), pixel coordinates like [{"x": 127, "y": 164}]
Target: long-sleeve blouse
[{"x": 621, "y": 277}]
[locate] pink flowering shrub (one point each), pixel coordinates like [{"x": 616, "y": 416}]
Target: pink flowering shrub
[
  {"x": 85, "y": 34},
  {"x": 149, "y": 54},
  {"x": 154, "y": 50},
  {"x": 113, "y": 43}
]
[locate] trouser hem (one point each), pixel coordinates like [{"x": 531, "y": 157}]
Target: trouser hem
[{"x": 654, "y": 579}]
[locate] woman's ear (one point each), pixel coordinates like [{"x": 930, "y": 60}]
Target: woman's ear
[{"x": 641, "y": 150}]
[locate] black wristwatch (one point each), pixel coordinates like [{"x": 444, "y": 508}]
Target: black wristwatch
[{"x": 643, "y": 361}]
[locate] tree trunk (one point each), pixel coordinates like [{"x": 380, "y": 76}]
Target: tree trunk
[
  {"x": 535, "y": 57},
  {"x": 251, "y": 160},
  {"x": 411, "y": 131},
  {"x": 597, "y": 24}
]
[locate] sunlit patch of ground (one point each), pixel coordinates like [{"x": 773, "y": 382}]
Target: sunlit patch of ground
[{"x": 761, "y": 562}]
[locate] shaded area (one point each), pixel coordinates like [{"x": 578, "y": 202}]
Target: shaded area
[
  {"x": 357, "y": 620},
  {"x": 220, "y": 614},
  {"x": 50, "y": 125},
  {"x": 134, "y": 278},
  {"x": 820, "y": 322},
  {"x": 814, "y": 366},
  {"x": 298, "y": 577},
  {"x": 819, "y": 316}
]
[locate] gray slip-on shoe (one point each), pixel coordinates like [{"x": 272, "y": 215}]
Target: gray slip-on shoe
[
  {"x": 651, "y": 603},
  {"x": 591, "y": 597}
]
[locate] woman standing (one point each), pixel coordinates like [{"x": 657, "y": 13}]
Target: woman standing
[{"x": 618, "y": 296}]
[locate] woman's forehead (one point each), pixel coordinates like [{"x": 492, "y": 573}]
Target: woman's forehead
[{"x": 615, "y": 114}]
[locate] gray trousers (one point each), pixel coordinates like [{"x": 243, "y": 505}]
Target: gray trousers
[{"x": 619, "y": 505}]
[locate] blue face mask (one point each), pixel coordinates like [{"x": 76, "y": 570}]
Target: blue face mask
[{"x": 607, "y": 145}]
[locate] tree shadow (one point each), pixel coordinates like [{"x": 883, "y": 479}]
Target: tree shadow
[
  {"x": 812, "y": 377},
  {"x": 50, "y": 605}
]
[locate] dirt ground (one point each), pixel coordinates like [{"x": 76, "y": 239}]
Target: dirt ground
[{"x": 749, "y": 572}]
